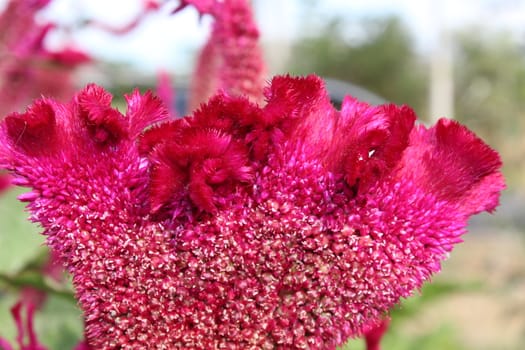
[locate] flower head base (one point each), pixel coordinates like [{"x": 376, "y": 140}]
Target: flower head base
[{"x": 245, "y": 226}]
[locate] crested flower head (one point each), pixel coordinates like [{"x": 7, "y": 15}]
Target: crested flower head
[{"x": 288, "y": 224}]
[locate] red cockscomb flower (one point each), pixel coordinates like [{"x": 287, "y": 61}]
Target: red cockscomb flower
[{"x": 244, "y": 226}]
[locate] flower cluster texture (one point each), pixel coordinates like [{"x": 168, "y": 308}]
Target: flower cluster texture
[{"x": 286, "y": 224}]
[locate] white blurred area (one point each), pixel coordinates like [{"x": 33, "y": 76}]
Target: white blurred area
[
  {"x": 169, "y": 42},
  {"x": 160, "y": 41}
]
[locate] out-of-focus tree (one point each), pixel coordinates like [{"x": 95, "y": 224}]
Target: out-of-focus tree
[
  {"x": 382, "y": 59},
  {"x": 490, "y": 94}
]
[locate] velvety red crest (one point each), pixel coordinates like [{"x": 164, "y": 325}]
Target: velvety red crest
[
  {"x": 297, "y": 109},
  {"x": 203, "y": 158},
  {"x": 225, "y": 163},
  {"x": 289, "y": 97},
  {"x": 232, "y": 114},
  {"x": 94, "y": 96},
  {"x": 143, "y": 111},
  {"x": 455, "y": 165},
  {"x": 373, "y": 140},
  {"x": 34, "y": 131},
  {"x": 162, "y": 133},
  {"x": 166, "y": 179},
  {"x": 105, "y": 124},
  {"x": 401, "y": 121},
  {"x": 204, "y": 143},
  {"x": 216, "y": 159},
  {"x": 201, "y": 193}
]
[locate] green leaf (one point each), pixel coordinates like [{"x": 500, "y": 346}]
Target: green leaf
[
  {"x": 59, "y": 324},
  {"x": 7, "y": 323},
  {"x": 20, "y": 242},
  {"x": 36, "y": 280}
]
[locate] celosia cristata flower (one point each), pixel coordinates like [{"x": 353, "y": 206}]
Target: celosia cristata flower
[{"x": 244, "y": 226}]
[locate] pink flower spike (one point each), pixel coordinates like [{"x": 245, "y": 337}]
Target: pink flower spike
[
  {"x": 28, "y": 69},
  {"x": 232, "y": 58}
]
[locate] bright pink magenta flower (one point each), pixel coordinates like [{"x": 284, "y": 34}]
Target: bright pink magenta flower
[{"x": 284, "y": 225}]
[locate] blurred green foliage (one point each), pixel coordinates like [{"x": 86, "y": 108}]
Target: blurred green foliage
[
  {"x": 19, "y": 242},
  {"x": 59, "y": 323},
  {"x": 442, "y": 337},
  {"x": 490, "y": 94},
  {"x": 383, "y": 60},
  {"x": 380, "y": 55}
]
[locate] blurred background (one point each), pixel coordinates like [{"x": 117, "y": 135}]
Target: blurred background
[{"x": 463, "y": 60}]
